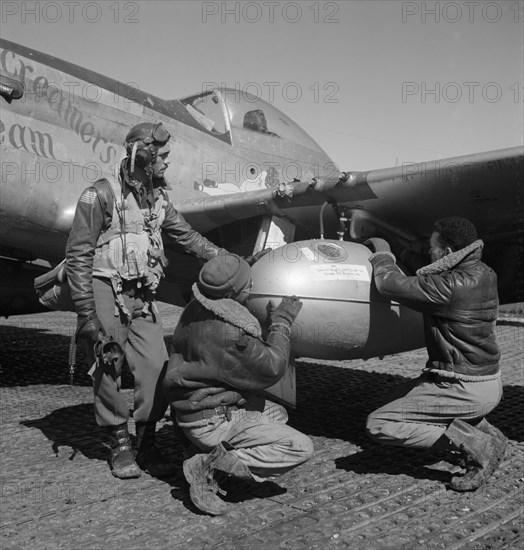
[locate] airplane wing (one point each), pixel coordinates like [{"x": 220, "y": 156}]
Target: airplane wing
[
  {"x": 49, "y": 141},
  {"x": 401, "y": 203}
]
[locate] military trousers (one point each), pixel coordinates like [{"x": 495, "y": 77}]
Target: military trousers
[
  {"x": 419, "y": 411},
  {"x": 141, "y": 338},
  {"x": 262, "y": 439}
]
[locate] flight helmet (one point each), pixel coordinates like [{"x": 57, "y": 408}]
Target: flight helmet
[{"x": 143, "y": 142}]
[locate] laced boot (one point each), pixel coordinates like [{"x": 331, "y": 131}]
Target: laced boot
[
  {"x": 200, "y": 471},
  {"x": 203, "y": 487},
  {"x": 481, "y": 451},
  {"x": 229, "y": 463},
  {"x": 228, "y": 468},
  {"x": 149, "y": 457},
  {"x": 123, "y": 463},
  {"x": 445, "y": 450}
]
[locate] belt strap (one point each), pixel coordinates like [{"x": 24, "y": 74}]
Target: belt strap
[{"x": 221, "y": 410}]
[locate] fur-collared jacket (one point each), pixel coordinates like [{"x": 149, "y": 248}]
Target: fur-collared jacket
[
  {"x": 458, "y": 297},
  {"x": 220, "y": 356}
]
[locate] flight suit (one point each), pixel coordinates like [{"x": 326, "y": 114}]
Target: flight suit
[{"x": 114, "y": 264}]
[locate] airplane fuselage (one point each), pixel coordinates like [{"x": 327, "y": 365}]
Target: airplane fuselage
[{"x": 66, "y": 132}]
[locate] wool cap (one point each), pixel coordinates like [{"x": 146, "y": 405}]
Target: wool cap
[{"x": 222, "y": 275}]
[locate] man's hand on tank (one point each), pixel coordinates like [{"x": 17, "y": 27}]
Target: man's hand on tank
[
  {"x": 376, "y": 244},
  {"x": 288, "y": 310}
]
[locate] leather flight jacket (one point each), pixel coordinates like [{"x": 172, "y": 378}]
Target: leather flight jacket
[
  {"x": 94, "y": 216},
  {"x": 221, "y": 358},
  {"x": 459, "y": 302}
]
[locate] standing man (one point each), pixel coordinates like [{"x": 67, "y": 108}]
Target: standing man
[
  {"x": 115, "y": 262},
  {"x": 215, "y": 379},
  {"x": 445, "y": 407}
]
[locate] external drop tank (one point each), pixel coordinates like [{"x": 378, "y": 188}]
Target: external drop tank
[{"x": 343, "y": 315}]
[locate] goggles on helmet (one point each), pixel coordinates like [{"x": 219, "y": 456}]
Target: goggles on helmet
[{"x": 159, "y": 135}]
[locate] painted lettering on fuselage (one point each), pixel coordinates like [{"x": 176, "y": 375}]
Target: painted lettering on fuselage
[
  {"x": 40, "y": 89},
  {"x": 25, "y": 137}
]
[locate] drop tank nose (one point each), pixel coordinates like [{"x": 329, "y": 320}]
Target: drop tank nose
[{"x": 343, "y": 316}]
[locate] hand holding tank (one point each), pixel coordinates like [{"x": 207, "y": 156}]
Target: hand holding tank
[
  {"x": 377, "y": 245},
  {"x": 287, "y": 311},
  {"x": 343, "y": 315}
]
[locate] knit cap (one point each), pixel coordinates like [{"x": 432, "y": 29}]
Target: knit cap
[{"x": 222, "y": 275}]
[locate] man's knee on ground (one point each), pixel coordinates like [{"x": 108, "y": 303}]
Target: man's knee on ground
[
  {"x": 295, "y": 448},
  {"x": 380, "y": 429},
  {"x": 303, "y": 447}
]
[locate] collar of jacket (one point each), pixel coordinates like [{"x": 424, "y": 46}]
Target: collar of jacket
[
  {"x": 230, "y": 311},
  {"x": 121, "y": 175},
  {"x": 451, "y": 260}
]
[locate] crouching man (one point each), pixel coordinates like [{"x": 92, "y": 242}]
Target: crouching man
[
  {"x": 445, "y": 407},
  {"x": 214, "y": 381}
]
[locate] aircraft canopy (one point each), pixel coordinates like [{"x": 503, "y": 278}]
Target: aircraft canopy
[{"x": 226, "y": 111}]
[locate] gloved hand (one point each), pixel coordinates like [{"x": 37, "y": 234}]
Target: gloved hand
[
  {"x": 270, "y": 311},
  {"x": 255, "y": 257},
  {"x": 287, "y": 311},
  {"x": 377, "y": 245},
  {"x": 89, "y": 327}
]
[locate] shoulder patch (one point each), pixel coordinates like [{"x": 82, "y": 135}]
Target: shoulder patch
[{"x": 88, "y": 196}]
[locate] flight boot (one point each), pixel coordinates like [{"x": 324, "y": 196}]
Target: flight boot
[
  {"x": 122, "y": 461},
  {"x": 229, "y": 463},
  {"x": 148, "y": 456},
  {"x": 486, "y": 427},
  {"x": 481, "y": 452},
  {"x": 202, "y": 471}
]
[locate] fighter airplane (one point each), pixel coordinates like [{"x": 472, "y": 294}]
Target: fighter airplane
[{"x": 248, "y": 177}]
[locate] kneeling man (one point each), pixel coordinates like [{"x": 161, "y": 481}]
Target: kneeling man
[
  {"x": 215, "y": 379},
  {"x": 445, "y": 407}
]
